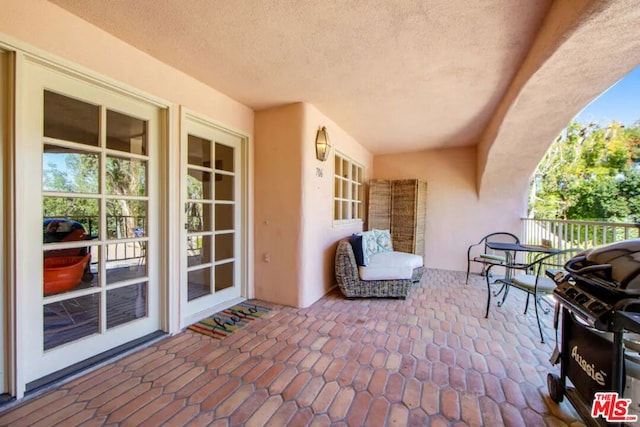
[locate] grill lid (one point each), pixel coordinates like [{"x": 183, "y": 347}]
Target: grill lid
[
  {"x": 618, "y": 263},
  {"x": 606, "y": 253}
]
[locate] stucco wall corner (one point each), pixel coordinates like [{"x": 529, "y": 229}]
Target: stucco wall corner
[{"x": 278, "y": 205}]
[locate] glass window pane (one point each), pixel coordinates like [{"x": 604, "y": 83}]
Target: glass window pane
[
  {"x": 126, "y": 219},
  {"x": 70, "y": 120},
  {"x": 336, "y": 210},
  {"x": 224, "y": 158},
  {"x": 198, "y": 250},
  {"x": 126, "y": 304},
  {"x": 338, "y": 187},
  {"x": 337, "y": 165},
  {"x": 198, "y": 185},
  {"x": 125, "y": 261},
  {"x": 224, "y": 276},
  {"x": 224, "y": 246},
  {"x": 66, "y": 270},
  {"x": 70, "y": 320},
  {"x": 199, "y": 217},
  {"x": 224, "y": 217},
  {"x": 126, "y": 133},
  {"x": 224, "y": 187},
  {"x": 69, "y": 219},
  {"x": 199, "y": 151},
  {"x": 199, "y": 283},
  {"x": 69, "y": 170},
  {"x": 126, "y": 177}
]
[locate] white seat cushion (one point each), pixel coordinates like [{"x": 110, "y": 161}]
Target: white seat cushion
[
  {"x": 529, "y": 281},
  {"x": 390, "y": 266},
  {"x": 397, "y": 258}
]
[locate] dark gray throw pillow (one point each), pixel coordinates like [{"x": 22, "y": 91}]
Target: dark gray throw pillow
[{"x": 356, "y": 245}]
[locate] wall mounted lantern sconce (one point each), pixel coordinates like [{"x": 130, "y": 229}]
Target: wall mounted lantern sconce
[{"x": 323, "y": 147}]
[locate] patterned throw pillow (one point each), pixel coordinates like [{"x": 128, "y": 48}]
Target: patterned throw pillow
[
  {"x": 383, "y": 238},
  {"x": 369, "y": 245}
]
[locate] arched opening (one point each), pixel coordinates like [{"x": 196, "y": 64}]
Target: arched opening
[{"x": 587, "y": 184}]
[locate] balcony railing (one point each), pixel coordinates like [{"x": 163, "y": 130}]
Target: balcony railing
[
  {"x": 118, "y": 227},
  {"x": 583, "y": 234}
]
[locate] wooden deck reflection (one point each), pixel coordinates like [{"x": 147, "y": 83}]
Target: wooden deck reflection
[{"x": 79, "y": 317}]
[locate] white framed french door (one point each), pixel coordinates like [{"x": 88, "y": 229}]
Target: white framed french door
[
  {"x": 212, "y": 263},
  {"x": 87, "y": 220}
]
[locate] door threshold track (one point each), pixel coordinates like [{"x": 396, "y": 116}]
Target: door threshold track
[{"x": 76, "y": 369}]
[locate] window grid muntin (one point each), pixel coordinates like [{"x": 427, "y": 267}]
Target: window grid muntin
[{"x": 348, "y": 190}]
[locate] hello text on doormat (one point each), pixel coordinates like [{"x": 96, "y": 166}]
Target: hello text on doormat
[{"x": 226, "y": 322}]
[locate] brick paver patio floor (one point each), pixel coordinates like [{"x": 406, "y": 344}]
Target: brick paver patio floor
[{"x": 431, "y": 360}]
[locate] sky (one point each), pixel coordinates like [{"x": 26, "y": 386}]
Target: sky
[{"x": 621, "y": 102}]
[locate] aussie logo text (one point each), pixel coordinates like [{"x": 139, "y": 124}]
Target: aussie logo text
[{"x": 589, "y": 369}]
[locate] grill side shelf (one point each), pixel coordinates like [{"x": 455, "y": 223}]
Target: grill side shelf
[{"x": 626, "y": 320}]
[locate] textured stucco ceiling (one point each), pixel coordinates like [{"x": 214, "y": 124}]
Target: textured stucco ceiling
[
  {"x": 583, "y": 48},
  {"x": 397, "y": 75}
]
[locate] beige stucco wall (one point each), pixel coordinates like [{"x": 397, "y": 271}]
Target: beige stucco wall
[
  {"x": 295, "y": 237},
  {"x": 53, "y": 30},
  {"x": 456, "y": 217},
  {"x": 320, "y": 234},
  {"x": 278, "y": 211}
]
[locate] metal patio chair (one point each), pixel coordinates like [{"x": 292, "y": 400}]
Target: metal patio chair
[
  {"x": 481, "y": 254},
  {"x": 534, "y": 280}
]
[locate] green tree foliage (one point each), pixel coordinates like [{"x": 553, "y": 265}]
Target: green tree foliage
[
  {"x": 80, "y": 174},
  {"x": 590, "y": 172}
]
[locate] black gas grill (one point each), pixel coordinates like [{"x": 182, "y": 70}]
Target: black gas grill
[
  {"x": 602, "y": 281},
  {"x": 599, "y": 298}
]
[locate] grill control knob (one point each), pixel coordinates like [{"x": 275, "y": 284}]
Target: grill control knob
[
  {"x": 596, "y": 307},
  {"x": 581, "y": 299},
  {"x": 571, "y": 293}
]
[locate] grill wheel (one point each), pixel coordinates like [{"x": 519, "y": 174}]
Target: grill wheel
[{"x": 555, "y": 387}]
